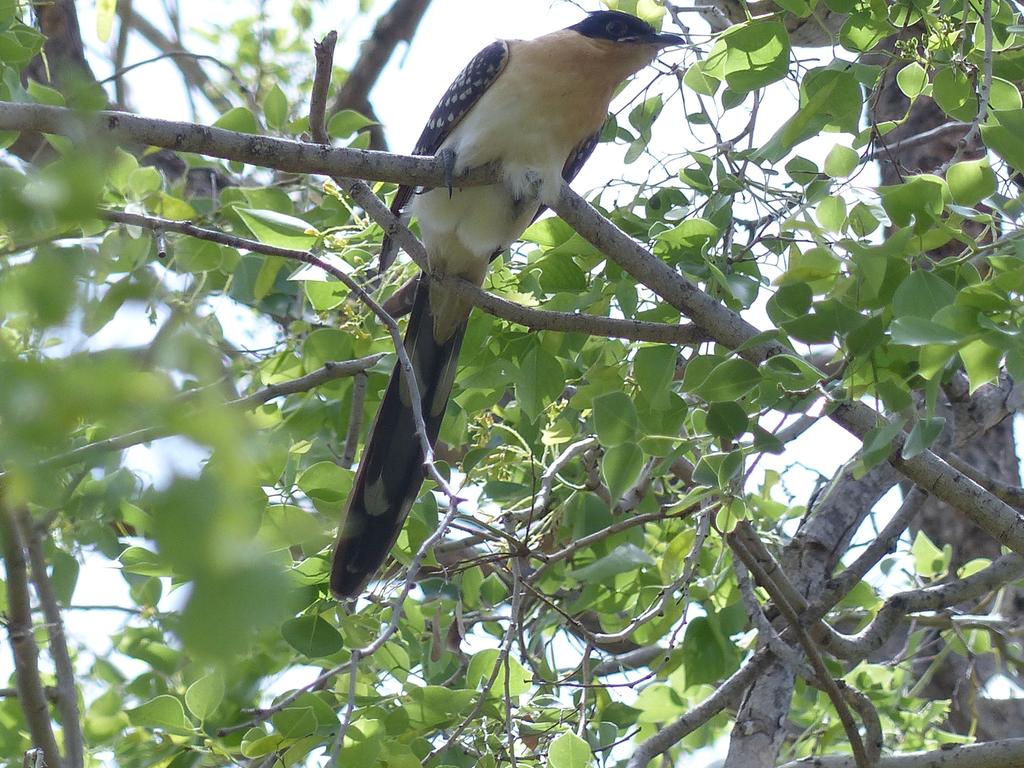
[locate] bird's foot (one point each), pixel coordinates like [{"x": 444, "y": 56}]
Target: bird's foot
[{"x": 447, "y": 158}]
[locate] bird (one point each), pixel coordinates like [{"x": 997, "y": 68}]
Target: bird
[{"x": 536, "y": 108}]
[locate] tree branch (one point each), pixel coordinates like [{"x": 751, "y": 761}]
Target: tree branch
[
  {"x": 727, "y": 694},
  {"x": 738, "y": 542},
  {"x": 264, "y": 151},
  {"x": 67, "y": 699},
  {"x": 992, "y": 754},
  {"x": 31, "y": 693},
  {"x": 537, "y": 319},
  {"x": 727, "y": 327}
]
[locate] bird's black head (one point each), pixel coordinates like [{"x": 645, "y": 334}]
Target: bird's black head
[{"x": 619, "y": 27}]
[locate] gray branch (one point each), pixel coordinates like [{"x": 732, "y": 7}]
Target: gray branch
[{"x": 31, "y": 693}]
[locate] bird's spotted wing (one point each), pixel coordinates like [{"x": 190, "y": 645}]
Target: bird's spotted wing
[
  {"x": 460, "y": 97},
  {"x": 579, "y": 156}
]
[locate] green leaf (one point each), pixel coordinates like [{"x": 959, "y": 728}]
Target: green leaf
[
  {"x": 140, "y": 560},
  {"x": 717, "y": 470},
  {"x": 841, "y": 162},
  {"x": 275, "y": 107},
  {"x": 621, "y": 466},
  {"x": 954, "y": 92},
  {"x": 930, "y": 562},
  {"x": 971, "y": 181},
  {"x": 831, "y": 212},
  {"x": 363, "y": 742},
  {"x": 105, "y": 12},
  {"x": 267, "y": 276},
  {"x": 256, "y": 744},
  {"x": 981, "y": 362},
  {"x": 750, "y": 55},
  {"x": 925, "y": 432},
  {"x": 622, "y": 559},
  {"x": 615, "y": 419},
  {"x": 654, "y": 368},
  {"x": 829, "y": 98},
  {"x": 729, "y": 380},
  {"x": 163, "y": 712},
  {"x": 205, "y": 695},
  {"x": 325, "y": 294},
  {"x": 238, "y": 119},
  {"x": 539, "y": 380},
  {"x": 482, "y": 665},
  {"x": 569, "y": 751},
  {"x": 44, "y": 94},
  {"x": 920, "y": 199},
  {"x": 279, "y": 229},
  {"x": 918, "y": 332},
  {"x": 1002, "y": 134},
  {"x": 878, "y": 443},
  {"x": 327, "y": 485},
  {"x": 312, "y": 636},
  {"x": 698, "y": 80},
  {"x": 346, "y": 122},
  {"x": 863, "y": 30},
  {"x": 727, "y": 420},
  {"x": 921, "y": 295},
  {"x": 704, "y": 652},
  {"x": 912, "y": 80}
]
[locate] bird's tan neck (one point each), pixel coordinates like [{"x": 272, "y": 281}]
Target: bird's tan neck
[{"x": 578, "y": 75}]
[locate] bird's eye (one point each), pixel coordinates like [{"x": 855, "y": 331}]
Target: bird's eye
[{"x": 616, "y": 29}]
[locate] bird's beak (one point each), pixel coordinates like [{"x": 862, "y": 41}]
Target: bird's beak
[{"x": 663, "y": 39}]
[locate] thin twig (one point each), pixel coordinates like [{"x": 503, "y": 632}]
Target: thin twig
[
  {"x": 120, "y": 49},
  {"x": 355, "y": 421},
  {"x": 67, "y": 700},
  {"x": 31, "y": 694},
  {"x": 323, "y": 51}
]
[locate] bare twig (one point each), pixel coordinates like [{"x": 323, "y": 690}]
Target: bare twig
[
  {"x": 323, "y": 51},
  {"x": 885, "y": 150},
  {"x": 67, "y": 700},
  {"x": 120, "y": 50},
  {"x": 547, "y": 480},
  {"x": 355, "y": 421},
  {"x": 265, "y": 151},
  {"x": 883, "y": 544},
  {"x": 31, "y": 693},
  {"x": 1011, "y": 494}
]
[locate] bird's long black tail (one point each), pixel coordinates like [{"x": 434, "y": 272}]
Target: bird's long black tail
[{"x": 391, "y": 468}]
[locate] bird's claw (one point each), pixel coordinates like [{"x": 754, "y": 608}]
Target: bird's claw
[{"x": 447, "y": 157}]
